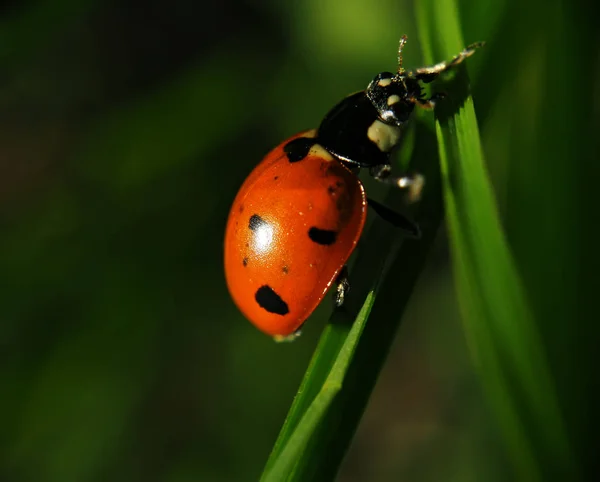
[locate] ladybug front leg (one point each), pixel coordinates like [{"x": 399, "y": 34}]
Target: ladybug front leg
[
  {"x": 414, "y": 184},
  {"x": 429, "y": 74},
  {"x": 429, "y": 103},
  {"x": 342, "y": 287}
]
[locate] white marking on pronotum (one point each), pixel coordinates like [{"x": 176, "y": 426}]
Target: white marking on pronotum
[
  {"x": 392, "y": 99},
  {"x": 384, "y": 82},
  {"x": 319, "y": 151},
  {"x": 383, "y": 135}
]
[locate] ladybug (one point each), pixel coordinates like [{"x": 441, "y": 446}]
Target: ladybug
[{"x": 298, "y": 216}]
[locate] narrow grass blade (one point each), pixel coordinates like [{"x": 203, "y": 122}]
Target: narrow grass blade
[{"x": 317, "y": 409}]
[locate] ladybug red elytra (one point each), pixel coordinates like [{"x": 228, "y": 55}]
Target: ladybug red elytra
[{"x": 298, "y": 216}]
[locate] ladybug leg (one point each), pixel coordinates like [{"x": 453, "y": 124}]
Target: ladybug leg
[
  {"x": 396, "y": 219},
  {"x": 414, "y": 184},
  {"x": 342, "y": 287},
  {"x": 429, "y": 103},
  {"x": 297, "y": 333},
  {"x": 429, "y": 74},
  {"x": 288, "y": 338}
]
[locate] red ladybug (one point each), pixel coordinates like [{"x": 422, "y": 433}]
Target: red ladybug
[{"x": 299, "y": 214}]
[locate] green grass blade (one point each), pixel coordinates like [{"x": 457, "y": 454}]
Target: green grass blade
[
  {"x": 498, "y": 322},
  {"x": 317, "y": 409},
  {"x": 328, "y": 442},
  {"x": 331, "y": 345}
]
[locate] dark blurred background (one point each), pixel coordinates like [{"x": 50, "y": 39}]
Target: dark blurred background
[{"x": 125, "y": 132}]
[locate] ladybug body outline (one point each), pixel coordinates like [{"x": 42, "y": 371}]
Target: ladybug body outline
[{"x": 298, "y": 216}]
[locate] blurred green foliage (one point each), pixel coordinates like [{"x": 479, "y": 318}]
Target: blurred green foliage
[{"x": 125, "y": 133}]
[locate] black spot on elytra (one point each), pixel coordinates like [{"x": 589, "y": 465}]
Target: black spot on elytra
[
  {"x": 256, "y": 222},
  {"x": 322, "y": 236},
  {"x": 334, "y": 188},
  {"x": 245, "y": 261},
  {"x": 241, "y": 209},
  {"x": 271, "y": 301},
  {"x": 297, "y": 149},
  {"x": 285, "y": 269},
  {"x": 275, "y": 178},
  {"x": 341, "y": 204}
]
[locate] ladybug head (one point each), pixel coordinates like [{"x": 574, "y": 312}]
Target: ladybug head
[{"x": 393, "y": 96}]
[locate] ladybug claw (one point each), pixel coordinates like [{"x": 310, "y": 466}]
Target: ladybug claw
[
  {"x": 412, "y": 184},
  {"x": 342, "y": 287},
  {"x": 287, "y": 338}
]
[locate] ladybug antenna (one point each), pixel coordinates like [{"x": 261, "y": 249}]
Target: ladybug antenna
[{"x": 400, "y": 47}]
